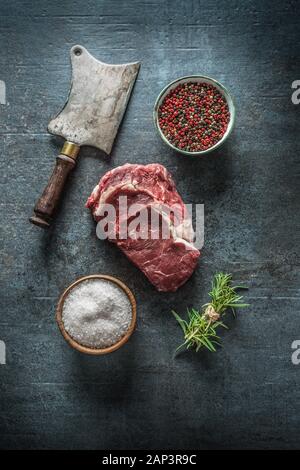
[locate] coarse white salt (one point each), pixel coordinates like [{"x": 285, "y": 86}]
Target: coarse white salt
[{"x": 97, "y": 313}]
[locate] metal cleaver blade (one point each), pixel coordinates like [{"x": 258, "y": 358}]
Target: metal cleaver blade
[{"x": 97, "y": 101}]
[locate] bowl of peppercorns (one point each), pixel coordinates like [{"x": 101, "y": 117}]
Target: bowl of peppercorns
[{"x": 194, "y": 115}]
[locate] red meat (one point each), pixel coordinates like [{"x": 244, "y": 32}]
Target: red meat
[{"x": 167, "y": 262}]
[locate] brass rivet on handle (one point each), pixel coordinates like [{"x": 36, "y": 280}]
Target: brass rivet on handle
[{"x": 70, "y": 150}]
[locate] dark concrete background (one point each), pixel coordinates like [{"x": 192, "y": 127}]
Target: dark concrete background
[{"x": 245, "y": 395}]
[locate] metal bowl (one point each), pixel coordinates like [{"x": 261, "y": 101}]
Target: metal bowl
[{"x": 195, "y": 79}]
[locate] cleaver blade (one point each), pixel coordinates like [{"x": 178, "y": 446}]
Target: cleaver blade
[{"x": 97, "y": 101}]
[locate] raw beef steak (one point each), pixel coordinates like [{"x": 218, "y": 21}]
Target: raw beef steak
[{"x": 164, "y": 251}]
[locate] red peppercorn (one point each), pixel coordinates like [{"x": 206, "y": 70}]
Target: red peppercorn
[{"x": 194, "y": 116}]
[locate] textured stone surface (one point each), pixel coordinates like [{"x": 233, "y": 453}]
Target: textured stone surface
[{"x": 247, "y": 394}]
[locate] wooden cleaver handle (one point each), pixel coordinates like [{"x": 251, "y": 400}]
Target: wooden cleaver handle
[{"x": 46, "y": 205}]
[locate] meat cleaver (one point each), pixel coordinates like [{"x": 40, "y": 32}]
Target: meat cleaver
[{"x": 91, "y": 116}]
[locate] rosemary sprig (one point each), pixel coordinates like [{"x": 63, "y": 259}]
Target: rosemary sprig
[
  {"x": 200, "y": 327},
  {"x": 223, "y": 295},
  {"x": 198, "y": 331}
]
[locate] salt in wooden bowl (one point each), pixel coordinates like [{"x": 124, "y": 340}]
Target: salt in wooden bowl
[{"x": 85, "y": 349}]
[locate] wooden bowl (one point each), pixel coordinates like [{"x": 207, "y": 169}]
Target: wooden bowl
[{"x": 85, "y": 349}]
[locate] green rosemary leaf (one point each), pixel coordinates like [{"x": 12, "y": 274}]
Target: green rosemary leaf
[
  {"x": 208, "y": 344},
  {"x": 181, "y": 346},
  {"x": 200, "y": 327},
  {"x": 181, "y": 322},
  {"x": 234, "y": 305},
  {"x": 220, "y": 323}
]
